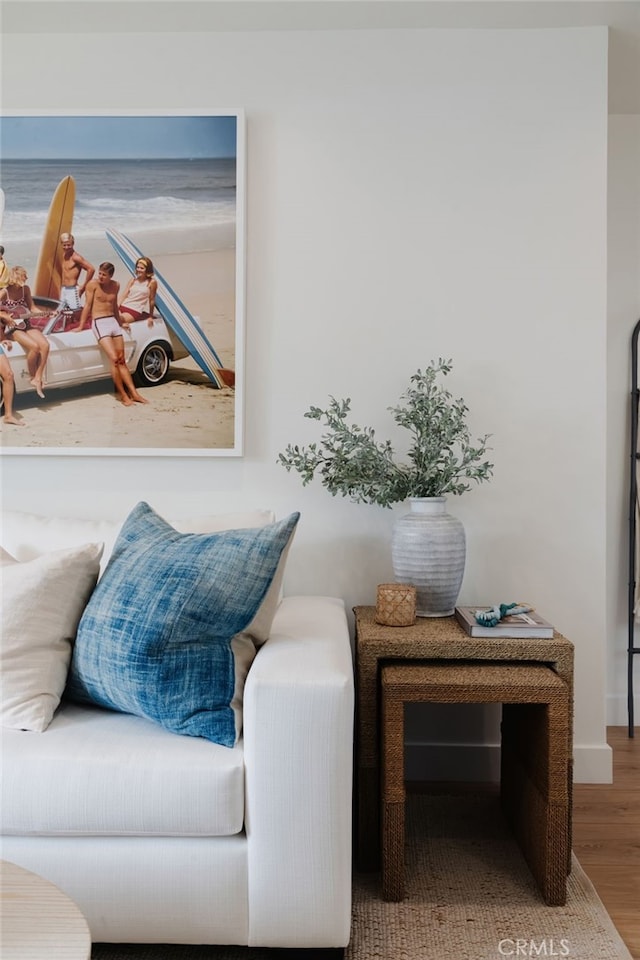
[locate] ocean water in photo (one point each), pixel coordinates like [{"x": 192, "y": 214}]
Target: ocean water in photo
[{"x": 130, "y": 196}]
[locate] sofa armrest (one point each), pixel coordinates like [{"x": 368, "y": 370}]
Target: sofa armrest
[{"x": 298, "y": 736}]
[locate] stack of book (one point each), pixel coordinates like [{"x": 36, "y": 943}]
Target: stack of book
[{"x": 523, "y": 625}]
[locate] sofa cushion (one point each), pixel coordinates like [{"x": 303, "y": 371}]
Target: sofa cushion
[
  {"x": 42, "y": 602},
  {"x": 100, "y": 772},
  {"x": 168, "y": 632},
  {"x": 28, "y": 535}
]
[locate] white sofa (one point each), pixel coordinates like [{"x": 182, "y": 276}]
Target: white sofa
[{"x": 161, "y": 838}]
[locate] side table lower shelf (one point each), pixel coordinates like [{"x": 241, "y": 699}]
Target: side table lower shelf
[{"x": 533, "y": 784}]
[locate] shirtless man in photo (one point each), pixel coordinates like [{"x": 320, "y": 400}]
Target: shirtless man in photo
[
  {"x": 72, "y": 266},
  {"x": 101, "y": 306}
]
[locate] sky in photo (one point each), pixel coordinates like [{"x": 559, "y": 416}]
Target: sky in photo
[{"x": 117, "y": 137}]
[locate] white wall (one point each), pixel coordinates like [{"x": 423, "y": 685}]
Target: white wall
[
  {"x": 411, "y": 194},
  {"x": 624, "y": 312}
]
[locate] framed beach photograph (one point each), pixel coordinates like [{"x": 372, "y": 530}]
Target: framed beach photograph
[{"x": 122, "y": 283}]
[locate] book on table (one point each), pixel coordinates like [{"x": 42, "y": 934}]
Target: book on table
[{"x": 524, "y": 625}]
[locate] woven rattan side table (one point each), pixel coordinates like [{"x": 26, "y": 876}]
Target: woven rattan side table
[
  {"x": 533, "y": 781},
  {"x": 438, "y": 638}
]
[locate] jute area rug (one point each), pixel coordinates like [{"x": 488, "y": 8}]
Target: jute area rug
[{"x": 470, "y": 896}]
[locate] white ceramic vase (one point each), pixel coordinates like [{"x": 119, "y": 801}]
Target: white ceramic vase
[{"x": 428, "y": 550}]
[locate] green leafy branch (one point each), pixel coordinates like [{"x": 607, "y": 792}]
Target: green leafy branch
[{"x": 442, "y": 459}]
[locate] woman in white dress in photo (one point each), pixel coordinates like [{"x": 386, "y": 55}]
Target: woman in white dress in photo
[{"x": 139, "y": 297}]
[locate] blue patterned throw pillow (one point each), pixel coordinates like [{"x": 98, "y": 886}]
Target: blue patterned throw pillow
[{"x": 170, "y": 630}]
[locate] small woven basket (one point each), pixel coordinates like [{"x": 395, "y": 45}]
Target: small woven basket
[{"x": 396, "y": 604}]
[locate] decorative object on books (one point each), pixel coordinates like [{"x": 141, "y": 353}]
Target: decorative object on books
[
  {"x": 513, "y": 623},
  {"x": 396, "y": 604},
  {"x": 489, "y": 618},
  {"x": 441, "y": 460}
]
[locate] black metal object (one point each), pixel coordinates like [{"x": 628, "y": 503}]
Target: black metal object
[{"x": 632, "y": 649}]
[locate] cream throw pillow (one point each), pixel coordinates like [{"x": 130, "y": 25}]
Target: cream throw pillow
[{"x": 42, "y": 601}]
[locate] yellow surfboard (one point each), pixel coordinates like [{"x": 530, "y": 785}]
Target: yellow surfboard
[{"x": 48, "y": 276}]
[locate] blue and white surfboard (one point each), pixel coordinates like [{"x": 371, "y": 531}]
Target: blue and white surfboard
[{"x": 173, "y": 311}]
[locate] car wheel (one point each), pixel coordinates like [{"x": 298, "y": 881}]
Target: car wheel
[{"x": 153, "y": 365}]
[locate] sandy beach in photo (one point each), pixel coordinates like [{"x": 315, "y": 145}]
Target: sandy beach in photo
[{"x": 186, "y": 412}]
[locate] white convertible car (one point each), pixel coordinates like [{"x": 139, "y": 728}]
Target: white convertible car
[{"x": 75, "y": 357}]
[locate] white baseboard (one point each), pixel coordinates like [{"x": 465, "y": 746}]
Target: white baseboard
[{"x": 480, "y": 763}]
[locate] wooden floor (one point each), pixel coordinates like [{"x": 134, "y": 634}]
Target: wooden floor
[{"x": 606, "y": 836}]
